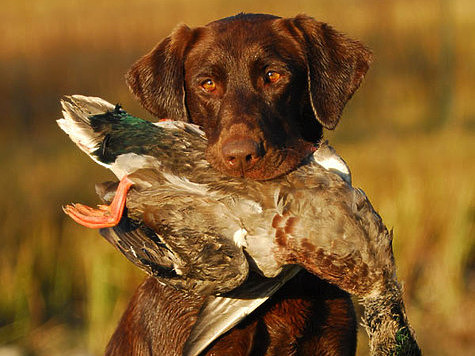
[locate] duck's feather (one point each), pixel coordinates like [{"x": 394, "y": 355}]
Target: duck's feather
[
  {"x": 327, "y": 157},
  {"x": 220, "y": 314},
  {"x": 106, "y": 133},
  {"x": 142, "y": 247},
  {"x": 76, "y": 122},
  {"x": 173, "y": 246}
]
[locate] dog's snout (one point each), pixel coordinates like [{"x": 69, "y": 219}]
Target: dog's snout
[{"x": 241, "y": 154}]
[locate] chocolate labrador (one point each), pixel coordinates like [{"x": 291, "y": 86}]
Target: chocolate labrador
[{"x": 263, "y": 88}]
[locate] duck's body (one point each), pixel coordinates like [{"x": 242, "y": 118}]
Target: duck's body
[
  {"x": 195, "y": 229},
  {"x": 183, "y": 200}
]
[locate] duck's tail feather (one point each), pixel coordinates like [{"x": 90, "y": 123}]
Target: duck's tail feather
[{"x": 78, "y": 110}]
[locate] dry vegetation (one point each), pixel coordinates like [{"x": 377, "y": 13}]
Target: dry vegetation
[{"x": 408, "y": 136}]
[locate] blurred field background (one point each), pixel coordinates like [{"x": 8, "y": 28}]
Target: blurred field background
[{"x": 408, "y": 135}]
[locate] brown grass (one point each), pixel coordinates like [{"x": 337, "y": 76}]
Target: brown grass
[{"x": 408, "y": 136}]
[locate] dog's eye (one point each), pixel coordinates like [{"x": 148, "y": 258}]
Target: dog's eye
[
  {"x": 272, "y": 76},
  {"x": 208, "y": 85}
]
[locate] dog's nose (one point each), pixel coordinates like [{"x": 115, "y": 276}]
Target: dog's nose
[{"x": 242, "y": 153}]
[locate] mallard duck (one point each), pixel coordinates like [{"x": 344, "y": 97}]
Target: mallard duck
[{"x": 195, "y": 229}]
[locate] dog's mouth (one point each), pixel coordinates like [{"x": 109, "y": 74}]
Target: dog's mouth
[{"x": 272, "y": 164}]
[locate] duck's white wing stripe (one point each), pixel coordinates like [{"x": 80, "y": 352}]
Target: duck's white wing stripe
[
  {"x": 220, "y": 314},
  {"x": 128, "y": 163}
]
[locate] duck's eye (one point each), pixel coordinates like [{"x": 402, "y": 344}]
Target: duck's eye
[
  {"x": 208, "y": 85},
  {"x": 273, "y": 76}
]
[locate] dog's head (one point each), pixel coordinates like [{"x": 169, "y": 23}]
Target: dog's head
[{"x": 260, "y": 86}]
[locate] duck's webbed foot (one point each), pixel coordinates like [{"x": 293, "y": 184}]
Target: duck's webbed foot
[{"x": 104, "y": 215}]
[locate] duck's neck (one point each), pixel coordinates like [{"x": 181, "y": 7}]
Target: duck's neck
[{"x": 386, "y": 323}]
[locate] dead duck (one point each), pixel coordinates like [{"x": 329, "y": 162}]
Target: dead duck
[{"x": 312, "y": 218}]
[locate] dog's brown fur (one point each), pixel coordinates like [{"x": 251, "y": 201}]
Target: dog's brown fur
[
  {"x": 259, "y": 125},
  {"x": 306, "y": 317}
]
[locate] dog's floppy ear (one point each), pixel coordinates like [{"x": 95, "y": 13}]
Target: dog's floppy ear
[
  {"x": 336, "y": 67},
  {"x": 157, "y": 79}
]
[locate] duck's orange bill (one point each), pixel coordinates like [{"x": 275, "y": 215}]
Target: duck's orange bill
[{"x": 104, "y": 215}]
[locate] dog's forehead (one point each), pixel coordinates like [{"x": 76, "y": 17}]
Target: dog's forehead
[
  {"x": 242, "y": 20},
  {"x": 246, "y": 37}
]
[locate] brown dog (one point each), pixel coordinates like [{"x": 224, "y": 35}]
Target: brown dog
[{"x": 262, "y": 88}]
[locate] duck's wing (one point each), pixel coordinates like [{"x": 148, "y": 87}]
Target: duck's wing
[
  {"x": 220, "y": 314},
  {"x": 173, "y": 244},
  {"x": 206, "y": 253},
  {"x": 203, "y": 272},
  {"x": 142, "y": 247}
]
